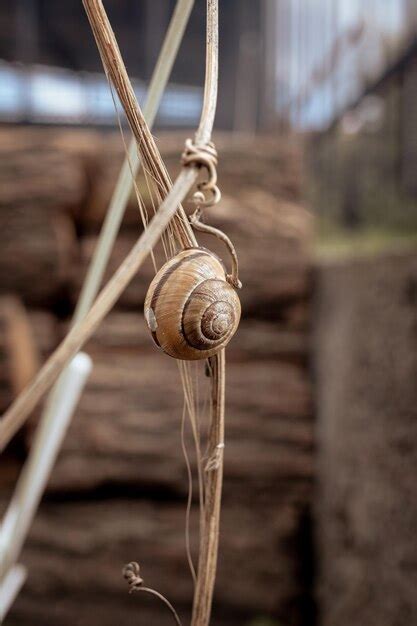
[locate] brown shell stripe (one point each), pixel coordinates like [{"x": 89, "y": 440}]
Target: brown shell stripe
[
  {"x": 186, "y": 305},
  {"x": 162, "y": 281}
]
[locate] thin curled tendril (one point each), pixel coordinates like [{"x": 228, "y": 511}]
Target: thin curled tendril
[
  {"x": 131, "y": 573},
  {"x": 205, "y": 156},
  {"x": 195, "y": 221}
]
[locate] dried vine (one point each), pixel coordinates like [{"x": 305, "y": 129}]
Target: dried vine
[
  {"x": 207, "y": 563},
  {"x": 148, "y": 150},
  {"x": 115, "y": 68},
  {"x": 170, "y": 210},
  {"x": 131, "y": 572}
]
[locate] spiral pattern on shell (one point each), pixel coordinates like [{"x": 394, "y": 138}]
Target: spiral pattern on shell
[{"x": 190, "y": 309}]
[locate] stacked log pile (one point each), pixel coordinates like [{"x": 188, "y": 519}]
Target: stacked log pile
[{"x": 118, "y": 491}]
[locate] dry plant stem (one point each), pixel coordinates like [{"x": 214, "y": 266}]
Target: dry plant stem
[
  {"x": 170, "y": 207},
  {"x": 203, "y": 134},
  {"x": 207, "y": 563},
  {"x": 116, "y": 71},
  {"x": 10, "y": 587},
  {"x": 131, "y": 163},
  {"x": 209, "y": 544},
  {"x": 152, "y": 161}
]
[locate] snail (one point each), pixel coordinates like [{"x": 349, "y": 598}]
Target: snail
[{"x": 191, "y": 309}]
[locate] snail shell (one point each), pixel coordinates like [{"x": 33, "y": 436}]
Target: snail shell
[{"x": 190, "y": 309}]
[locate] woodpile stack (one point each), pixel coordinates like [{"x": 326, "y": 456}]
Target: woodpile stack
[{"x": 118, "y": 492}]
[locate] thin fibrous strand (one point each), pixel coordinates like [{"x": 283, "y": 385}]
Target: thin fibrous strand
[
  {"x": 117, "y": 204},
  {"x": 193, "y": 381},
  {"x": 197, "y": 444},
  {"x": 184, "y": 367},
  {"x": 200, "y": 467},
  {"x": 207, "y": 564},
  {"x": 187, "y": 390},
  {"x": 116, "y": 70},
  {"x": 141, "y": 204},
  {"x": 186, "y": 382},
  {"x": 147, "y": 174},
  {"x": 165, "y": 235},
  {"x": 189, "y": 397},
  {"x": 139, "y": 199},
  {"x": 189, "y": 497}
]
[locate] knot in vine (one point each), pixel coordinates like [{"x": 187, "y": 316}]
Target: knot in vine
[
  {"x": 131, "y": 574},
  {"x": 203, "y": 156}
]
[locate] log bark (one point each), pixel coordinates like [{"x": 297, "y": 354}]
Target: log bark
[
  {"x": 124, "y": 429},
  {"x": 43, "y": 329},
  {"x": 76, "y": 551},
  {"x": 245, "y": 166},
  {"x": 22, "y": 354},
  {"x": 38, "y": 249},
  {"x": 256, "y": 340},
  {"x": 276, "y": 281},
  {"x": 118, "y": 490},
  {"x": 35, "y": 170}
]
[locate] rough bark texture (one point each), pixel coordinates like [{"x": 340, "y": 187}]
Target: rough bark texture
[
  {"x": 366, "y": 366},
  {"x": 36, "y": 252},
  {"x": 40, "y": 184},
  {"x": 77, "y": 549},
  {"x": 118, "y": 491},
  {"x": 127, "y": 431}
]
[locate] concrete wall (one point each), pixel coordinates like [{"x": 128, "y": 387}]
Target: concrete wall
[{"x": 366, "y": 398}]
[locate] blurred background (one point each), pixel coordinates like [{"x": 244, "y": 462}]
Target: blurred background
[{"x": 317, "y": 136}]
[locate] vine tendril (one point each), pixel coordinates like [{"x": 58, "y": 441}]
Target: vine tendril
[{"x": 131, "y": 573}]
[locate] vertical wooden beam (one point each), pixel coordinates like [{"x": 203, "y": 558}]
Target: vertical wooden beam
[{"x": 27, "y": 31}]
